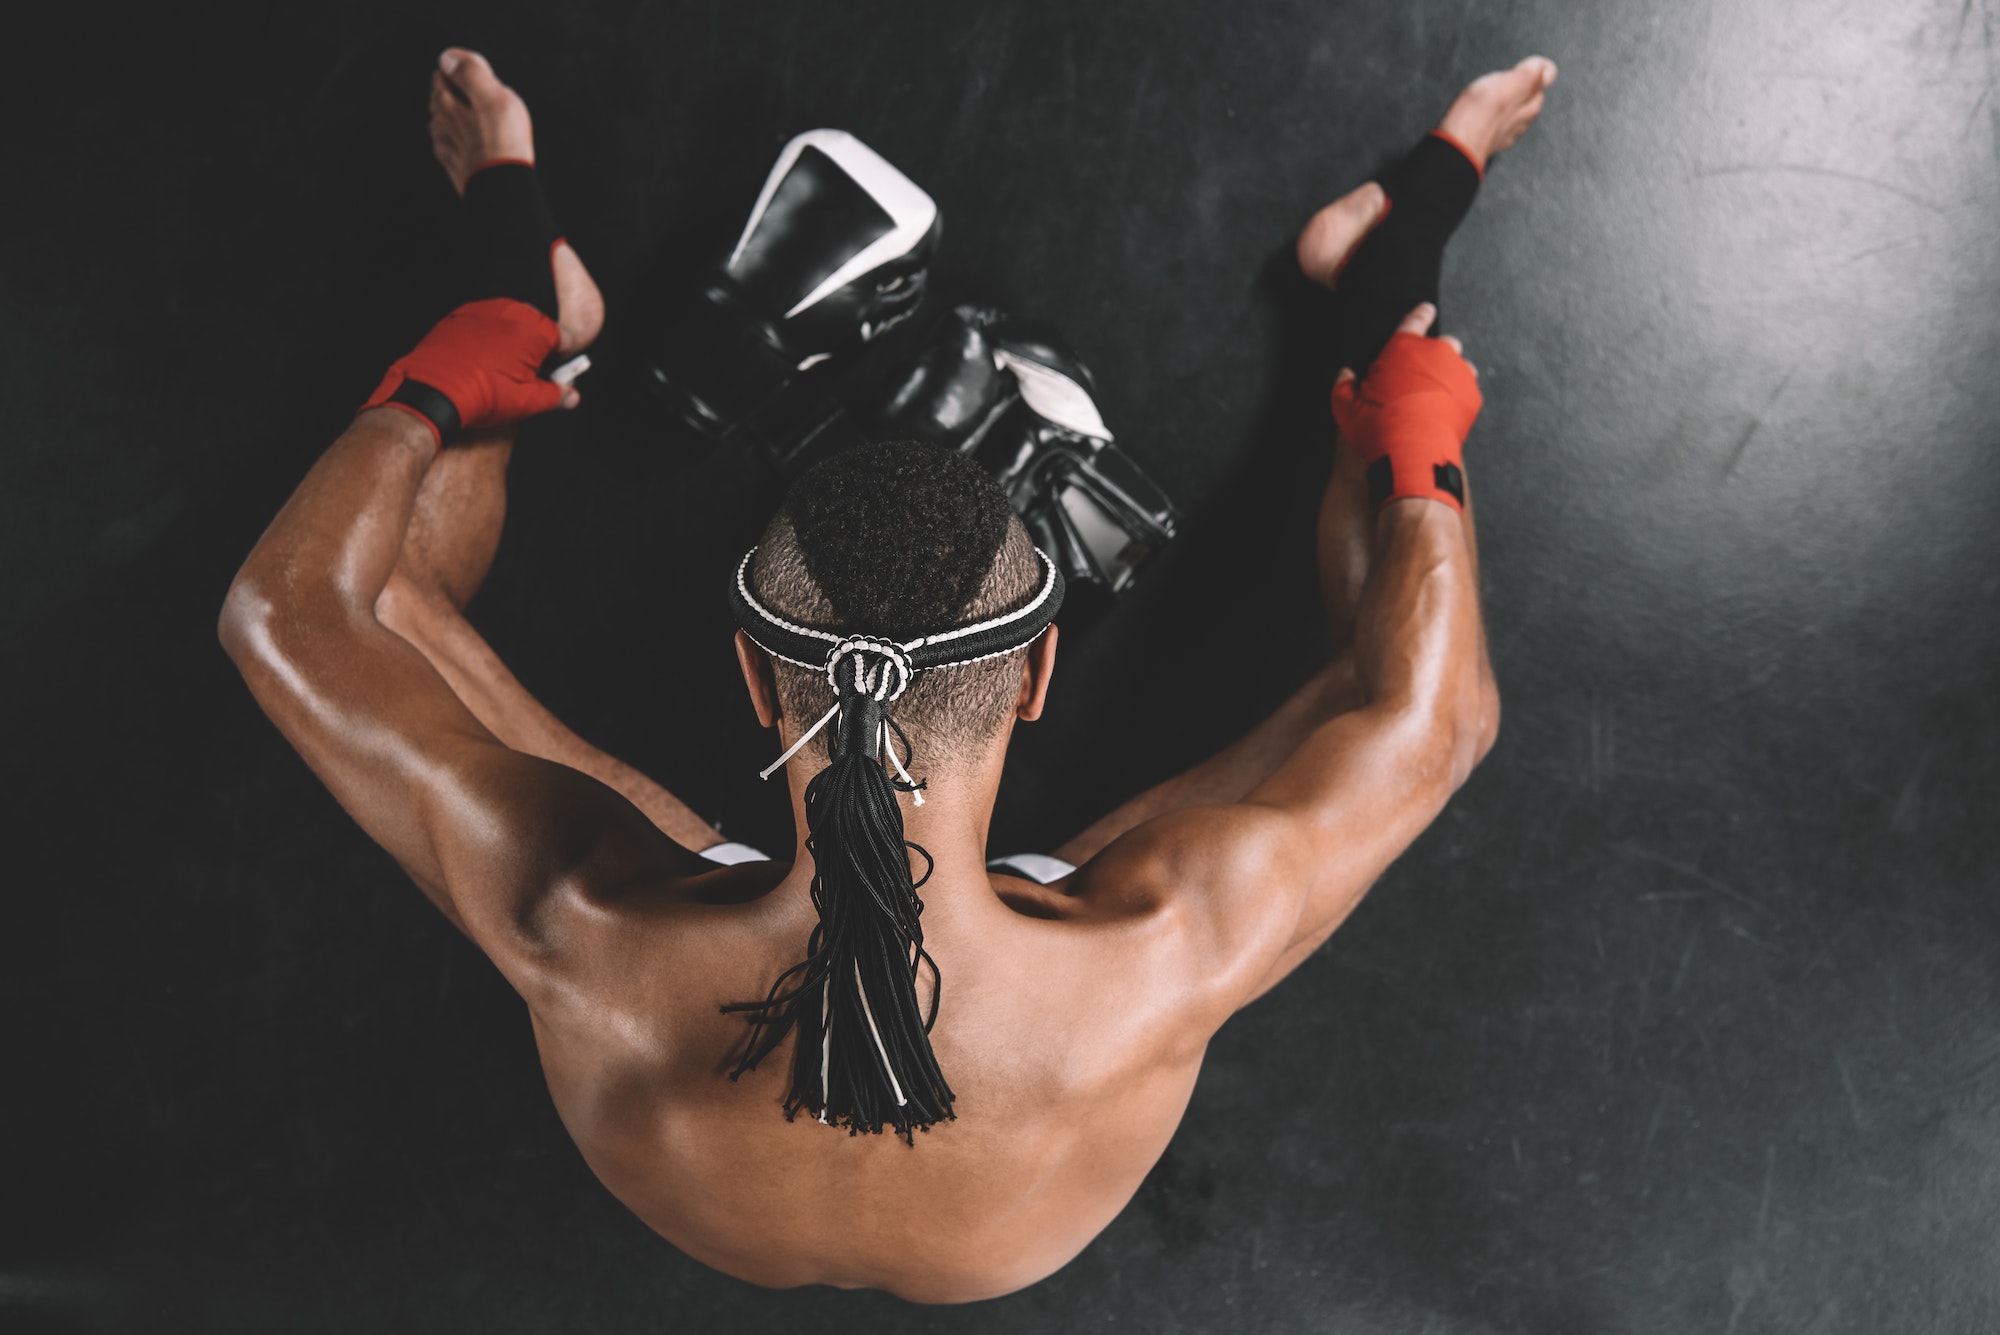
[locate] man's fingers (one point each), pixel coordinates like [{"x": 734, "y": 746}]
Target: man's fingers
[
  {"x": 1418, "y": 321},
  {"x": 1345, "y": 389},
  {"x": 570, "y": 396},
  {"x": 1451, "y": 341}
]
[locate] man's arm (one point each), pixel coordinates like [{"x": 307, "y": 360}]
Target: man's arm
[
  {"x": 1309, "y": 809},
  {"x": 448, "y": 548},
  {"x": 511, "y": 847},
  {"x": 1346, "y": 539},
  {"x": 1231, "y": 773},
  {"x": 437, "y": 629}
]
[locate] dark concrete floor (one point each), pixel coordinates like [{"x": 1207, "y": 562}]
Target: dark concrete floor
[{"x": 1683, "y": 1018}]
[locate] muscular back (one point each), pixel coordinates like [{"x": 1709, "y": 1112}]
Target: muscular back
[
  {"x": 1072, "y": 1024},
  {"x": 1071, "y": 1071}
]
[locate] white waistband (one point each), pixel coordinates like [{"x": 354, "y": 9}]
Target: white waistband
[
  {"x": 732, "y": 853},
  {"x": 1037, "y": 867}
]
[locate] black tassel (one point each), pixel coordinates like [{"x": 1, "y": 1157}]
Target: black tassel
[{"x": 863, "y": 1056}]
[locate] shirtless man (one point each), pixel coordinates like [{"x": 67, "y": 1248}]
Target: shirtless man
[{"x": 1074, "y": 1014}]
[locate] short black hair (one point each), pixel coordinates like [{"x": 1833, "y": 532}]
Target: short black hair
[{"x": 901, "y": 539}]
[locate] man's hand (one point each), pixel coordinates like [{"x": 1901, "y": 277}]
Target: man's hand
[
  {"x": 1409, "y": 419},
  {"x": 478, "y": 367}
]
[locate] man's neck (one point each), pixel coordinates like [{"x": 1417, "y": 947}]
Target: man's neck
[{"x": 952, "y": 823}]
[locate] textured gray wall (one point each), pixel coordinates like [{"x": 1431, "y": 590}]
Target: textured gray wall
[{"x": 1682, "y": 1019}]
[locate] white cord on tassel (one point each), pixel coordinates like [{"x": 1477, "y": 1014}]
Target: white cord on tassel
[
  {"x": 869, "y": 1011},
  {"x": 826, "y": 1042},
  {"x": 778, "y": 764},
  {"x": 916, "y": 793},
  {"x": 874, "y": 681}
]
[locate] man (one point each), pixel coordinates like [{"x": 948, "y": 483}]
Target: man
[{"x": 1044, "y": 1037}]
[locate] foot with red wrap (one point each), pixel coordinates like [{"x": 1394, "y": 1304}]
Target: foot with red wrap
[{"x": 1409, "y": 418}]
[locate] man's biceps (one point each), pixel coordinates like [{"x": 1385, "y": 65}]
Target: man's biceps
[
  {"x": 491, "y": 813},
  {"x": 1342, "y": 841},
  {"x": 1365, "y": 772},
  {"x": 1337, "y": 754}
]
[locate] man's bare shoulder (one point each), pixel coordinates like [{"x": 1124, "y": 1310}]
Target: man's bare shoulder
[
  {"x": 641, "y": 946},
  {"x": 1185, "y": 856},
  {"x": 1207, "y": 894}
]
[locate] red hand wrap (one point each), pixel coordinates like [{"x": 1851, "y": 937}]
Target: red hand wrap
[
  {"x": 484, "y": 360},
  {"x": 1409, "y": 418}
]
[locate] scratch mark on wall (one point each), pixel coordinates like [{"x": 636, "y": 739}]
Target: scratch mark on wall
[
  {"x": 1806, "y": 169},
  {"x": 1757, "y": 423}
]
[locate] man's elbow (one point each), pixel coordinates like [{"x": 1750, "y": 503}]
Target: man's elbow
[
  {"x": 1486, "y": 730},
  {"x": 1474, "y": 727},
  {"x": 244, "y": 625}
]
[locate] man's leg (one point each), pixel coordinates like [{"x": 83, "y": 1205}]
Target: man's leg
[
  {"x": 477, "y": 121},
  {"x": 1418, "y": 202},
  {"x": 455, "y": 528}
]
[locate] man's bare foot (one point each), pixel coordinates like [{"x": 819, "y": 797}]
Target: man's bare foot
[
  {"x": 579, "y": 305},
  {"x": 1497, "y": 109},
  {"x": 1493, "y": 111},
  {"x": 1332, "y": 234},
  {"x": 474, "y": 119}
]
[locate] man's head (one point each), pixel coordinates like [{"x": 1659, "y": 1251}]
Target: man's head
[
  {"x": 884, "y": 559},
  {"x": 901, "y": 539}
]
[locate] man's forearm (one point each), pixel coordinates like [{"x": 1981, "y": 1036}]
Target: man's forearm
[
  {"x": 358, "y": 704},
  {"x": 1231, "y": 773},
  {"x": 428, "y": 621},
  {"x": 453, "y": 533},
  {"x": 1418, "y": 642},
  {"x": 1347, "y": 538},
  {"x": 331, "y": 548}
]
